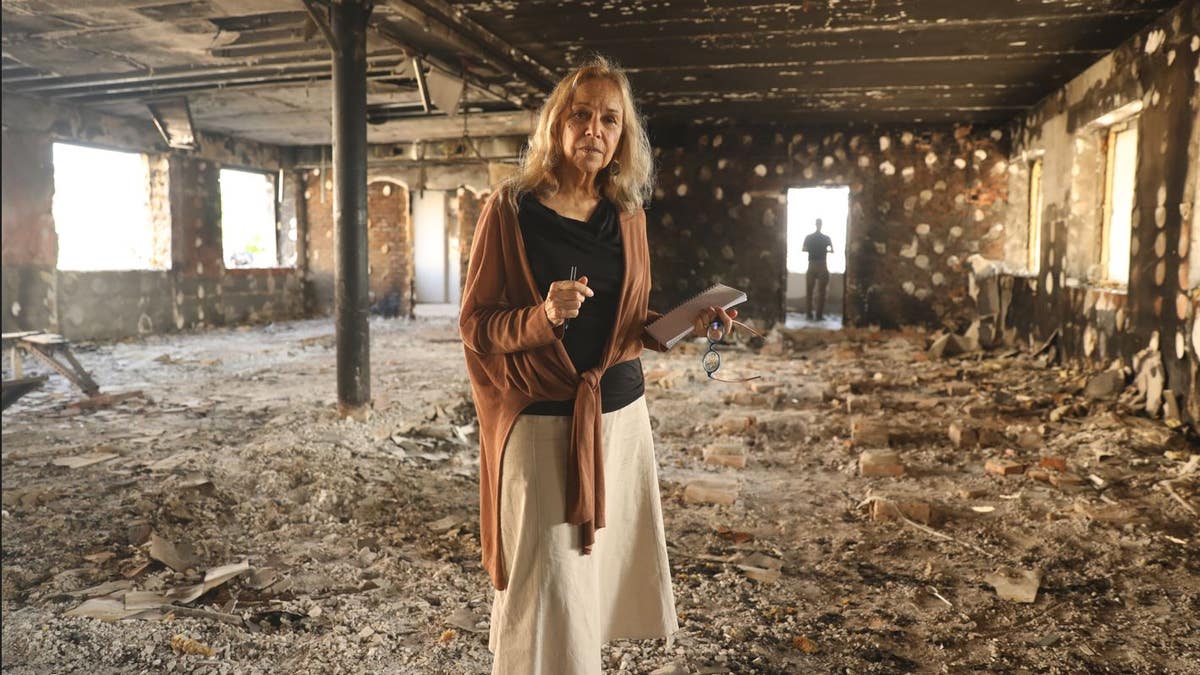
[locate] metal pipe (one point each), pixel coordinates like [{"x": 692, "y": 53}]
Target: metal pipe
[
  {"x": 140, "y": 92},
  {"x": 263, "y": 68},
  {"x": 348, "y": 25}
]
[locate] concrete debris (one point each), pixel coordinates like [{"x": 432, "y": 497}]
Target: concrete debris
[
  {"x": 262, "y": 577},
  {"x": 711, "y": 492},
  {"x": 959, "y": 389},
  {"x": 918, "y": 510},
  {"x": 1117, "y": 515},
  {"x": 1062, "y": 479},
  {"x": 880, "y": 463},
  {"x": 354, "y": 552},
  {"x": 1017, "y": 585},
  {"x": 728, "y": 454},
  {"x": 760, "y": 387},
  {"x": 751, "y": 399},
  {"x": 735, "y": 425},
  {"x": 104, "y": 609},
  {"x": 465, "y": 619},
  {"x": 1105, "y": 385},
  {"x": 962, "y": 436},
  {"x": 1001, "y": 467},
  {"x": 952, "y": 345},
  {"x": 180, "y": 558},
  {"x": 1172, "y": 415},
  {"x": 869, "y": 432},
  {"x": 761, "y": 568},
  {"x": 81, "y": 461},
  {"x": 444, "y": 524},
  {"x": 1149, "y": 377}
]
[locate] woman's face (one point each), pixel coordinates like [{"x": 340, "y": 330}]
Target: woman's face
[{"x": 592, "y": 129}]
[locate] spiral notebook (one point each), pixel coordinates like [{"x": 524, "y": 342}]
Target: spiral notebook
[{"x": 675, "y": 325}]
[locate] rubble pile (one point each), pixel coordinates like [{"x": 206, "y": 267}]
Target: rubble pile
[{"x": 868, "y": 504}]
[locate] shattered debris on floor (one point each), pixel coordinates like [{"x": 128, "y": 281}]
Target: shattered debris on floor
[{"x": 872, "y": 505}]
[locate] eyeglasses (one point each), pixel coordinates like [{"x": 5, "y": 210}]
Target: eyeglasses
[{"x": 712, "y": 358}]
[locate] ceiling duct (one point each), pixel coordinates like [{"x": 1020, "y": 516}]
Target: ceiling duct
[{"x": 173, "y": 118}]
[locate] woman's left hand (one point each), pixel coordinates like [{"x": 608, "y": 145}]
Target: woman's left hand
[{"x": 707, "y": 316}]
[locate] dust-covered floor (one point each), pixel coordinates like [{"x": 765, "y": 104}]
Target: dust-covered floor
[{"x": 308, "y": 544}]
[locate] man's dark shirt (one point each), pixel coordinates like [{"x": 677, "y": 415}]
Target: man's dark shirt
[{"x": 817, "y": 246}]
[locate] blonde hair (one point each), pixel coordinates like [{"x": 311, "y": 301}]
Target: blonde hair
[{"x": 631, "y": 186}]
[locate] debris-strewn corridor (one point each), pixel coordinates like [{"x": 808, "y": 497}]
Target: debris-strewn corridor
[{"x": 351, "y": 547}]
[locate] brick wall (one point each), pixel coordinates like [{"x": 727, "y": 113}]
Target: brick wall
[{"x": 389, "y": 244}]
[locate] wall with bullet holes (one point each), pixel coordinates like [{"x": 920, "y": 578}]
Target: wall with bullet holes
[
  {"x": 922, "y": 200},
  {"x": 1150, "y": 324}
]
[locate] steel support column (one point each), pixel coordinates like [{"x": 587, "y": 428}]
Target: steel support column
[{"x": 348, "y": 28}]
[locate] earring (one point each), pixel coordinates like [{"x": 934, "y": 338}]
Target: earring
[{"x": 614, "y": 168}]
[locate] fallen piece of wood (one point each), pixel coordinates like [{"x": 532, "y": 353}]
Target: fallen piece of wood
[{"x": 1166, "y": 485}]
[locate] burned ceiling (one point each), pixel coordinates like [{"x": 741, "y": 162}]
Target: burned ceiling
[{"x": 260, "y": 68}]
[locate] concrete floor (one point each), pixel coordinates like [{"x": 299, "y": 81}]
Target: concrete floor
[{"x": 362, "y": 540}]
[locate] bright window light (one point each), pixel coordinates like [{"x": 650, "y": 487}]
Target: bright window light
[
  {"x": 1118, "y": 212},
  {"x": 805, "y": 205},
  {"x": 248, "y": 219},
  {"x": 102, "y": 210},
  {"x": 1033, "y": 261}
]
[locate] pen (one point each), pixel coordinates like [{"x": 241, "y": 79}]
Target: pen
[{"x": 567, "y": 322}]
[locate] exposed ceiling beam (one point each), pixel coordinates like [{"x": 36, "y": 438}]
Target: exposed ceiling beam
[
  {"x": 463, "y": 30},
  {"x": 374, "y": 72},
  {"x": 454, "y": 70},
  {"x": 318, "y": 15},
  {"x": 193, "y": 75},
  {"x": 452, "y": 25}
]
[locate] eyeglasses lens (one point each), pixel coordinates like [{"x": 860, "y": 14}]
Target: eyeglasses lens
[{"x": 716, "y": 331}]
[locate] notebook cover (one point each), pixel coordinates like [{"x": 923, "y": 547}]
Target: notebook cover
[{"x": 677, "y": 324}]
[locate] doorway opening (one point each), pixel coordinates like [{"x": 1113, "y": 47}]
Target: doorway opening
[
  {"x": 808, "y": 304},
  {"x": 435, "y": 253}
]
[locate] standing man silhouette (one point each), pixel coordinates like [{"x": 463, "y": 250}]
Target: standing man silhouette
[{"x": 817, "y": 246}]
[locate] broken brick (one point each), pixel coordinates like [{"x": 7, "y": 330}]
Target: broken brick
[
  {"x": 1002, "y": 467},
  {"x": 962, "y": 436},
  {"x": 869, "y": 432},
  {"x": 710, "y": 492},
  {"x": 880, "y": 463},
  {"x": 763, "y": 387},
  {"x": 1056, "y": 463}
]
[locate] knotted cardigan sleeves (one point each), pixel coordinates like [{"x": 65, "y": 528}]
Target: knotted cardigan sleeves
[{"x": 515, "y": 356}]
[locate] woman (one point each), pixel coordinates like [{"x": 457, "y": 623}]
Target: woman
[{"x": 565, "y": 441}]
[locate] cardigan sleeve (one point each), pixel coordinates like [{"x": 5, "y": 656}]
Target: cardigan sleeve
[{"x": 487, "y": 322}]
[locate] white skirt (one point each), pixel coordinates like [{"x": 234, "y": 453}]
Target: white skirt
[{"x": 561, "y": 605}]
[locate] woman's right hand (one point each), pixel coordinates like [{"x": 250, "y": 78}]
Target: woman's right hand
[{"x": 564, "y": 299}]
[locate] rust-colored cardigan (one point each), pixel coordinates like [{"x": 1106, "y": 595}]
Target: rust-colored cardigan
[{"x": 515, "y": 356}]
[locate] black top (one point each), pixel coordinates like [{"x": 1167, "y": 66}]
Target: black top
[
  {"x": 553, "y": 244},
  {"x": 817, "y": 246}
]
